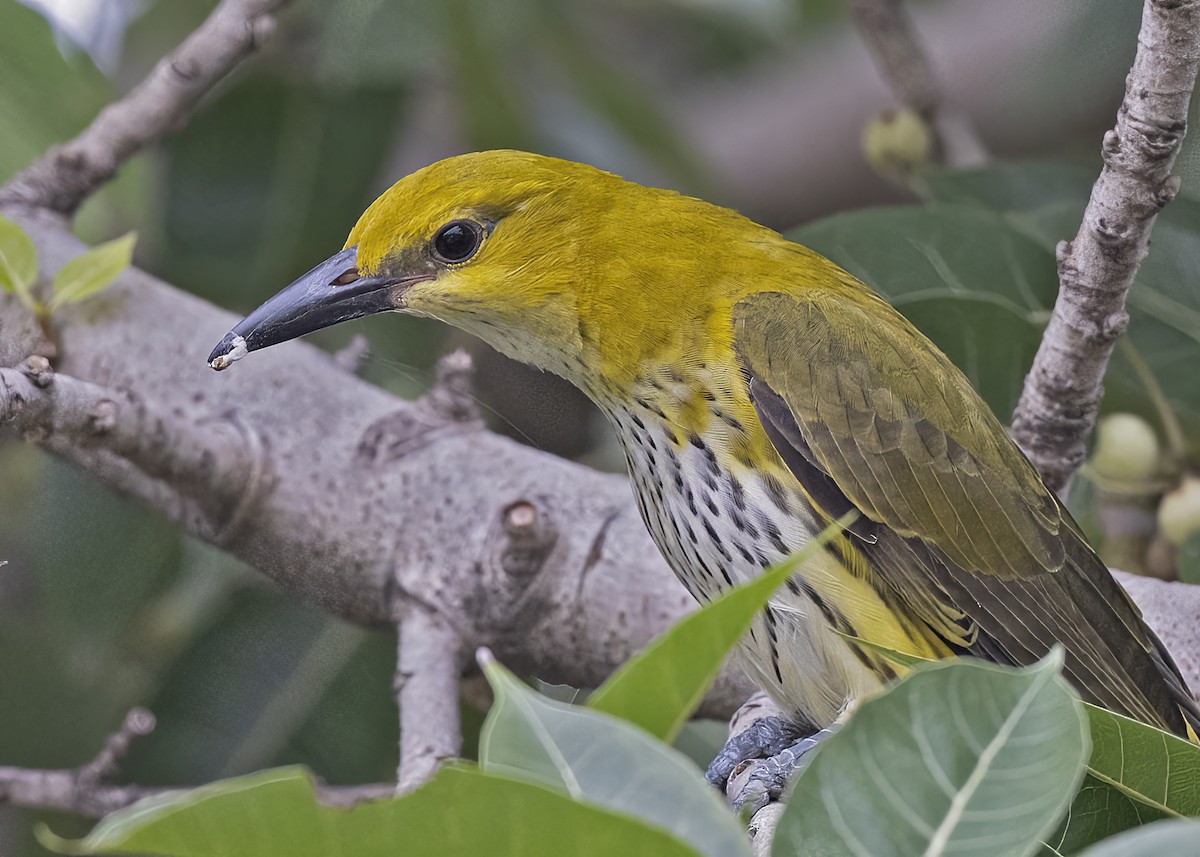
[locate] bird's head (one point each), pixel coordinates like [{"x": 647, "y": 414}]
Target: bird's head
[{"x": 554, "y": 263}]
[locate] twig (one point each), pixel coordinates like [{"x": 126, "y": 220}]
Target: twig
[
  {"x": 1062, "y": 392},
  {"x": 83, "y": 790},
  {"x": 893, "y": 41},
  {"x": 64, "y": 177},
  {"x": 428, "y": 663},
  {"x": 138, "y": 723}
]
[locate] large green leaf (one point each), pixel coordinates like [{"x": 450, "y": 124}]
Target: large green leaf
[
  {"x": 599, "y": 759},
  {"x": 660, "y": 686},
  {"x": 1136, "y": 774},
  {"x": 1046, "y": 202},
  {"x": 958, "y": 758},
  {"x": 948, "y": 265},
  {"x": 462, "y": 812},
  {"x": 1161, "y": 839}
]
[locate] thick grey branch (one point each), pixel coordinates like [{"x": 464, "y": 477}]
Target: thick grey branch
[
  {"x": 64, "y": 177},
  {"x": 1062, "y": 392},
  {"x": 216, "y": 465},
  {"x": 893, "y": 40}
]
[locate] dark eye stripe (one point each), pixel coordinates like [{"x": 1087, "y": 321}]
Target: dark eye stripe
[{"x": 457, "y": 241}]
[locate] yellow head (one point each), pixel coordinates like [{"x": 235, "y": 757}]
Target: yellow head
[{"x": 554, "y": 263}]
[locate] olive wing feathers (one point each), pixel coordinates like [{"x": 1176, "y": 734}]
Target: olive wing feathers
[{"x": 957, "y": 530}]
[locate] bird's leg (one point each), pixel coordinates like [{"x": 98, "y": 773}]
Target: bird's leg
[
  {"x": 758, "y": 730},
  {"x": 762, "y": 739},
  {"x": 760, "y": 781}
]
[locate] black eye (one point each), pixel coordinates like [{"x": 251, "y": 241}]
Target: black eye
[{"x": 457, "y": 241}]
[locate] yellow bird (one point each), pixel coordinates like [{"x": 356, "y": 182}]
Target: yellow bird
[{"x": 759, "y": 392}]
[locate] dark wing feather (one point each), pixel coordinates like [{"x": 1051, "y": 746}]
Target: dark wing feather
[{"x": 958, "y": 530}]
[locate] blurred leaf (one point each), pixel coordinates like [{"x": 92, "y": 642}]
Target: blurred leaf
[
  {"x": 1014, "y": 187},
  {"x": 266, "y": 182},
  {"x": 18, "y": 261},
  {"x": 958, "y": 758},
  {"x": 928, "y": 260},
  {"x": 1136, "y": 774},
  {"x": 602, "y": 760},
  {"x": 45, "y": 98},
  {"x": 92, "y": 271},
  {"x": 1046, "y": 203},
  {"x": 1189, "y": 560},
  {"x": 462, "y": 812},
  {"x": 489, "y": 100},
  {"x": 1161, "y": 839},
  {"x": 613, "y": 95},
  {"x": 660, "y": 686}
]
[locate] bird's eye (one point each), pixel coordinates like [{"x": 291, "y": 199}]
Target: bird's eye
[{"x": 457, "y": 241}]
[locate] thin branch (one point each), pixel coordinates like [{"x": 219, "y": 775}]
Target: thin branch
[
  {"x": 893, "y": 41},
  {"x": 1062, "y": 392},
  {"x": 67, "y": 174},
  {"x": 83, "y": 790},
  {"x": 429, "y": 660}
]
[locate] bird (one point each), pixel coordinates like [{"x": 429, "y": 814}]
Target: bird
[{"x": 760, "y": 393}]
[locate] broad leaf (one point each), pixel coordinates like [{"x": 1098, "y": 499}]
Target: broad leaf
[
  {"x": 92, "y": 271},
  {"x": 1046, "y": 203},
  {"x": 599, "y": 759},
  {"x": 660, "y": 686},
  {"x": 960, "y": 757},
  {"x": 1161, "y": 839},
  {"x": 1136, "y": 774},
  {"x": 462, "y": 811},
  {"x": 18, "y": 261}
]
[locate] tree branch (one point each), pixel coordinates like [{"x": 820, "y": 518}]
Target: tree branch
[
  {"x": 893, "y": 41},
  {"x": 67, "y": 174},
  {"x": 83, "y": 790},
  {"x": 1062, "y": 392},
  {"x": 428, "y": 663}
]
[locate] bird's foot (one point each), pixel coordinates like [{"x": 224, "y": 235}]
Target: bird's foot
[
  {"x": 764, "y": 738},
  {"x": 755, "y": 782}
]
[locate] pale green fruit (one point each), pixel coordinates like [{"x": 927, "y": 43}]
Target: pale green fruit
[
  {"x": 895, "y": 143},
  {"x": 1126, "y": 449},
  {"x": 1179, "y": 512}
]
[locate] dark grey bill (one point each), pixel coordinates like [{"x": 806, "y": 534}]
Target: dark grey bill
[{"x": 330, "y": 293}]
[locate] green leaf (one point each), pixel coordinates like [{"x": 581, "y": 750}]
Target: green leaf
[
  {"x": 1161, "y": 839},
  {"x": 1136, "y": 774},
  {"x": 46, "y": 97},
  {"x": 1045, "y": 202},
  {"x": 18, "y": 261},
  {"x": 1189, "y": 560},
  {"x": 959, "y": 757},
  {"x": 1014, "y": 187},
  {"x": 92, "y": 271},
  {"x": 599, "y": 759},
  {"x": 660, "y": 686},
  {"x": 1000, "y": 281},
  {"x": 462, "y": 811}
]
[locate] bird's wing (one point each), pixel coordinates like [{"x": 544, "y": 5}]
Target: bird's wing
[{"x": 957, "y": 528}]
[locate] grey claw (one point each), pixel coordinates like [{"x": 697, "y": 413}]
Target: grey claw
[{"x": 764, "y": 738}]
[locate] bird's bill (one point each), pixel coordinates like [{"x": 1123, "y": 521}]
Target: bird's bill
[{"x": 330, "y": 293}]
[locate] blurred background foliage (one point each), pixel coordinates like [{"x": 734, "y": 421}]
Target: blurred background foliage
[{"x": 103, "y": 605}]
